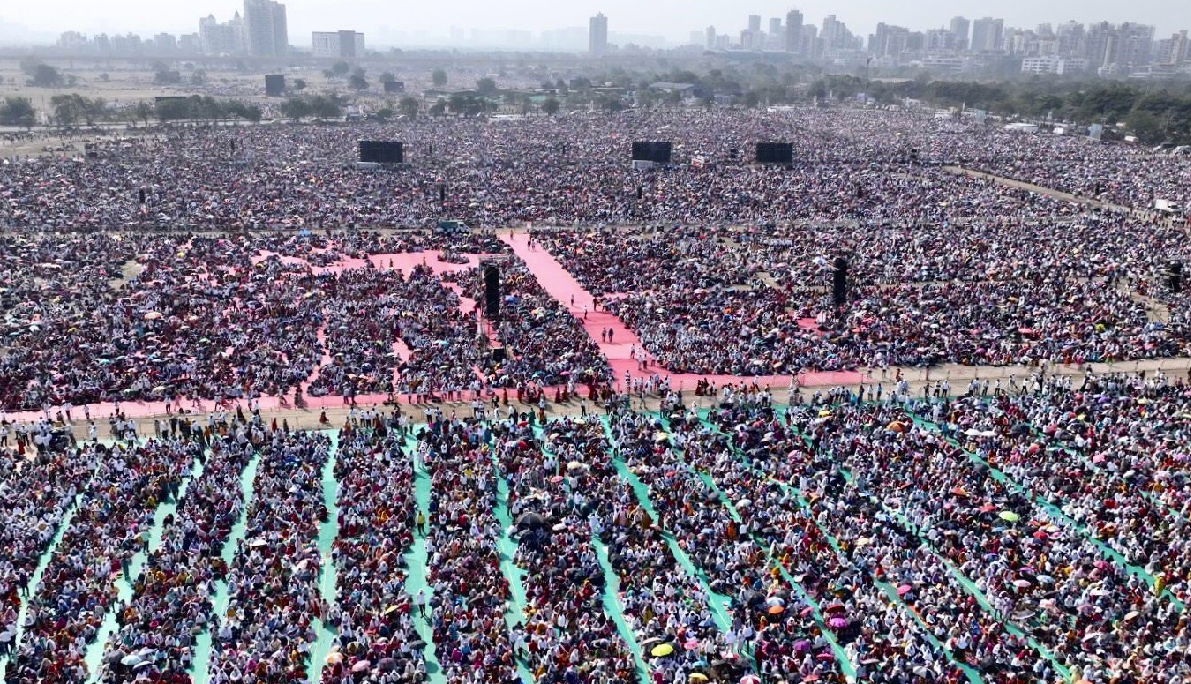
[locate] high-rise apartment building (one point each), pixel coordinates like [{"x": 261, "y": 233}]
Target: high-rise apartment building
[
  {"x": 265, "y": 29},
  {"x": 597, "y": 34},
  {"x": 960, "y": 28},
  {"x": 794, "y": 31},
  {"x": 225, "y": 38},
  {"x": 988, "y": 35},
  {"x": 337, "y": 44}
]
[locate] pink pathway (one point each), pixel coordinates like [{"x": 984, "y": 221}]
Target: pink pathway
[
  {"x": 554, "y": 279},
  {"x": 561, "y": 285}
]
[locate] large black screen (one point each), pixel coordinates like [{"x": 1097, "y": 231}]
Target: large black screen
[
  {"x": 274, "y": 85},
  {"x": 775, "y": 153},
  {"x": 381, "y": 152},
  {"x": 656, "y": 152}
]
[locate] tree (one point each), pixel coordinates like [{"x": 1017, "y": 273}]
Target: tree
[
  {"x": 68, "y": 109},
  {"x": 358, "y": 82},
  {"x": 143, "y": 111},
  {"x": 198, "y": 78},
  {"x": 296, "y": 108},
  {"x": 46, "y": 76},
  {"x": 299, "y": 84},
  {"x": 173, "y": 109},
  {"x": 340, "y": 68},
  {"x": 486, "y": 86},
  {"x": 17, "y": 111},
  {"x": 167, "y": 77},
  {"x": 95, "y": 109},
  {"x": 384, "y": 113},
  {"x": 550, "y": 106},
  {"x": 324, "y": 107},
  {"x": 438, "y": 108},
  {"x": 438, "y": 77},
  {"x": 458, "y": 103},
  {"x": 387, "y": 77},
  {"x": 104, "y": 78},
  {"x": 409, "y": 107}
]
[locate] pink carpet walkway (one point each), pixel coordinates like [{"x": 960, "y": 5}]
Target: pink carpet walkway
[{"x": 561, "y": 285}]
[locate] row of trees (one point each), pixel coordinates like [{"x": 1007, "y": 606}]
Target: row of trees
[
  {"x": 1154, "y": 112},
  {"x": 205, "y": 108},
  {"x": 314, "y": 106}
]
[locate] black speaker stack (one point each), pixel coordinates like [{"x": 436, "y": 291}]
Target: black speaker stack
[
  {"x": 492, "y": 292},
  {"x": 839, "y": 282},
  {"x": 1174, "y": 276}
]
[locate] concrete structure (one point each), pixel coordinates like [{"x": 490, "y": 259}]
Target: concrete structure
[
  {"x": 265, "y": 28},
  {"x": 794, "y": 32},
  {"x": 988, "y": 35},
  {"x": 960, "y": 28},
  {"x": 597, "y": 34},
  {"x": 337, "y": 44},
  {"x": 225, "y": 38}
]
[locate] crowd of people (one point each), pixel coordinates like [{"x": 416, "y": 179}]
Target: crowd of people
[
  {"x": 267, "y": 631},
  {"x": 372, "y": 618},
  {"x": 110, "y": 525},
  {"x": 1034, "y": 533},
  {"x": 569, "y": 168},
  {"x": 1027, "y": 531},
  {"x": 546, "y": 344}
]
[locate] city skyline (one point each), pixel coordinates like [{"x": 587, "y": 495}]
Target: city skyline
[{"x": 668, "y": 19}]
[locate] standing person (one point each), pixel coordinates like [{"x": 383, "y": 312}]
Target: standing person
[{"x": 420, "y": 597}]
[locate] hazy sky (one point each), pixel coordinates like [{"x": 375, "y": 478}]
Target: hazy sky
[{"x": 673, "y": 19}]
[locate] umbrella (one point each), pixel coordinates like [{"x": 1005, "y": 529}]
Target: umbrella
[
  {"x": 802, "y": 645},
  {"x": 662, "y": 650},
  {"x": 750, "y": 679},
  {"x": 559, "y": 527},
  {"x": 904, "y": 589},
  {"x": 530, "y": 520},
  {"x": 776, "y": 610},
  {"x": 361, "y": 666},
  {"x": 1010, "y": 516},
  {"x": 130, "y": 660},
  {"x": 334, "y": 658},
  {"x": 697, "y": 677},
  {"x": 837, "y": 623}
]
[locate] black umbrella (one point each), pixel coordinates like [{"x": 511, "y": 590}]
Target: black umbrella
[{"x": 532, "y": 520}]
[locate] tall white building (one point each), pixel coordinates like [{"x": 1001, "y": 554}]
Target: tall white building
[
  {"x": 225, "y": 38},
  {"x": 597, "y": 34},
  {"x": 337, "y": 44},
  {"x": 265, "y": 29},
  {"x": 988, "y": 35},
  {"x": 794, "y": 31}
]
